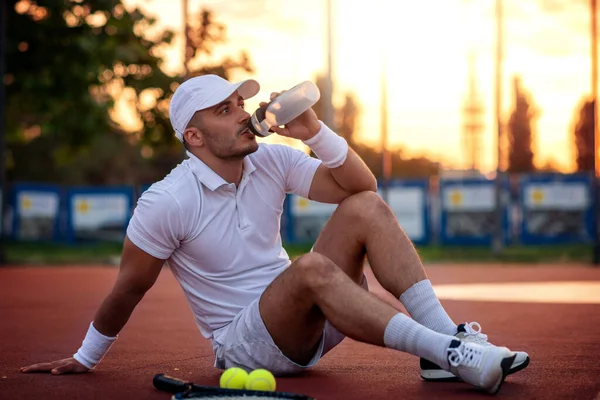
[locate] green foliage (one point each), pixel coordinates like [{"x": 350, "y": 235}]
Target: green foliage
[
  {"x": 520, "y": 154},
  {"x": 204, "y": 34},
  {"x": 67, "y": 62},
  {"x": 63, "y": 58},
  {"x": 584, "y": 137}
]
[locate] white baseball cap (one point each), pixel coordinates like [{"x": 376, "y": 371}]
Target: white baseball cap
[{"x": 203, "y": 92}]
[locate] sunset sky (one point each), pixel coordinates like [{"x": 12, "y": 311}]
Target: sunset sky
[{"x": 426, "y": 46}]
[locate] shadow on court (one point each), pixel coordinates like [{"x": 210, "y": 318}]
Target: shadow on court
[{"x": 45, "y": 313}]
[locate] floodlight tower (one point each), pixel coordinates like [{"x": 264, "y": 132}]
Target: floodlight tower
[{"x": 472, "y": 119}]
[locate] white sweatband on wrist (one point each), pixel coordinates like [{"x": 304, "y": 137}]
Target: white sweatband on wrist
[
  {"x": 94, "y": 347},
  {"x": 331, "y": 148}
]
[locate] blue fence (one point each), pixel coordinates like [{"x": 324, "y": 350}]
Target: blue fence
[
  {"x": 36, "y": 212},
  {"x": 468, "y": 212},
  {"x": 536, "y": 209},
  {"x": 556, "y": 209},
  {"x": 98, "y": 214}
]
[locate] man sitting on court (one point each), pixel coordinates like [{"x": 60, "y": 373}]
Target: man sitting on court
[{"x": 216, "y": 220}]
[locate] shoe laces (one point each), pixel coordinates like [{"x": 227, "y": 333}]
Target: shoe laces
[
  {"x": 465, "y": 355},
  {"x": 473, "y": 332}
]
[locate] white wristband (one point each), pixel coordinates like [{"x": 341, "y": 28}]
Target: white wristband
[
  {"x": 94, "y": 347},
  {"x": 331, "y": 148}
]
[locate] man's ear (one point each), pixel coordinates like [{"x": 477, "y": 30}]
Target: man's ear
[{"x": 193, "y": 137}]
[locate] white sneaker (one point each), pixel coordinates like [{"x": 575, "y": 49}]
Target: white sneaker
[
  {"x": 468, "y": 332},
  {"x": 482, "y": 366}
]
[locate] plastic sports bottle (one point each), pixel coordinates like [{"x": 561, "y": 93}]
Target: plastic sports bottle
[{"x": 284, "y": 108}]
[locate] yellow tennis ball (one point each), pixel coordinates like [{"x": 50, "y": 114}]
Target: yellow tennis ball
[
  {"x": 233, "y": 378},
  {"x": 261, "y": 379}
]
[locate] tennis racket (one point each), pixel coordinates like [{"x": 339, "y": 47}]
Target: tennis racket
[{"x": 189, "y": 390}]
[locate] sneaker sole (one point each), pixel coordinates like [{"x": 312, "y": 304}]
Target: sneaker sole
[
  {"x": 519, "y": 367},
  {"x": 506, "y": 365},
  {"x": 440, "y": 375}
]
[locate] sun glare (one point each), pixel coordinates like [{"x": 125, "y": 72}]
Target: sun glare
[{"x": 424, "y": 47}]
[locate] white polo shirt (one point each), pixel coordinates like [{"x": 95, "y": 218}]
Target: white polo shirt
[{"x": 222, "y": 243}]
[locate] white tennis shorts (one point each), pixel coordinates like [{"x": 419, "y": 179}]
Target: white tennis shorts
[{"x": 246, "y": 343}]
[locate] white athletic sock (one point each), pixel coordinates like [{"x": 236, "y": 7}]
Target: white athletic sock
[
  {"x": 404, "y": 334},
  {"x": 424, "y": 307}
]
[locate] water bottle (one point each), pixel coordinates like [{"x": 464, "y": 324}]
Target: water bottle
[{"x": 284, "y": 108}]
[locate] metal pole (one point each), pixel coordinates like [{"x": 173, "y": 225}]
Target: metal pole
[
  {"x": 594, "y": 73},
  {"x": 385, "y": 154},
  {"x": 498, "y": 236},
  {"x": 3, "y": 183},
  {"x": 328, "y": 98},
  {"x": 186, "y": 38}
]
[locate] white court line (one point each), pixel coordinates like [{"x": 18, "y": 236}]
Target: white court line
[{"x": 571, "y": 292}]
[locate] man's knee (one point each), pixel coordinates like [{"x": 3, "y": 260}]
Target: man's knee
[
  {"x": 365, "y": 205},
  {"x": 316, "y": 270}
]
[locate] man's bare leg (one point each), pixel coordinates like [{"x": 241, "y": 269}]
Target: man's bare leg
[
  {"x": 294, "y": 306},
  {"x": 364, "y": 224},
  {"x": 313, "y": 289}
]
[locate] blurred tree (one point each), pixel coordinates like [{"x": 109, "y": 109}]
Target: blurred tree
[
  {"x": 584, "y": 136},
  {"x": 549, "y": 165},
  {"x": 67, "y": 63},
  {"x": 418, "y": 167},
  {"x": 347, "y": 118},
  {"x": 520, "y": 153},
  {"x": 205, "y": 33}
]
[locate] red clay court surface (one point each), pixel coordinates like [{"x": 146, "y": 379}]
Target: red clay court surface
[{"x": 45, "y": 312}]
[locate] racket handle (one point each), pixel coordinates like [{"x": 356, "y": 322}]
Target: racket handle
[{"x": 169, "y": 384}]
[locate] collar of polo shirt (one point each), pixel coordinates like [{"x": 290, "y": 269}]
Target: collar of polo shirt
[{"x": 210, "y": 178}]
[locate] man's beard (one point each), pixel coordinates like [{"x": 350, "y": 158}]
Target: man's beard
[
  {"x": 219, "y": 148},
  {"x": 237, "y": 154}
]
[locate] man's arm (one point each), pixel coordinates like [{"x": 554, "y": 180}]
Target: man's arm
[
  {"x": 137, "y": 273},
  {"x": 343, "y": 172},
  {"x": 332, "y": 185}
]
